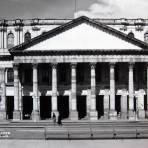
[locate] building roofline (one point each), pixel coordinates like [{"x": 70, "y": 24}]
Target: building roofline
[{"x": 73, "y": 23}]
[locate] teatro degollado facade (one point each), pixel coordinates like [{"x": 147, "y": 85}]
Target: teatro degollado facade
[{"x": 82, "y": 69}]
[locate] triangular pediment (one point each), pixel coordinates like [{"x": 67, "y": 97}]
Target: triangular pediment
[{"x": 82, "y": 34}]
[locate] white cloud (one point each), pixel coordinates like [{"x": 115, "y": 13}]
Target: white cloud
[{"x": 116, "y": 8}]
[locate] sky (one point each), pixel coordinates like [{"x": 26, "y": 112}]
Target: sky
[{"x": 13, "y": 9}]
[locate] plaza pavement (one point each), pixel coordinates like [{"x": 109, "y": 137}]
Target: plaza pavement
[{"x": 130, "y": 143}]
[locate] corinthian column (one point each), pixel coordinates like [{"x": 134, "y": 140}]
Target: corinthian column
[
  {"x": 93, "y": 112},
  {"x": 35, "y": 113},
  {"x": 16, "y": 113},
  {"x": 73, "y": 105},
  {"x": 112, "y": 113},
  {"x": 131, "y": 92},
  {"x": 54, "y": 89}
]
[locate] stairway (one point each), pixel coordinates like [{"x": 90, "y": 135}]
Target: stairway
[{"x": 74, "y": 130}]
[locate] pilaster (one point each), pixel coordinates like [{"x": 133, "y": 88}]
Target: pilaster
[
  {"x": 16, "y": 113},
  {"x": 3, "y": 94}
]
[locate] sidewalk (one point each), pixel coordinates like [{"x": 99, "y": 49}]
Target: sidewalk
[{"x": 137, "y": 143}]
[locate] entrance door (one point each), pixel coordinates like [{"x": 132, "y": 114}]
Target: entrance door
[
  {"x": 27, "y": 107},
  {"x": 63, "y": 106},
  {"x": 100, "y": 105},
  {"x": 81, "y": 106},
  {"x": 9, "y": 107},
  {"x": 145, "y": 102},
  {"x": 118, "y": 103},
  {"x": 45, "y": 107}
]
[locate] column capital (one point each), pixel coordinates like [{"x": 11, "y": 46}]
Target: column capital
[
  {"x": 112, "y": 64},
  {"x": 73, "y": 65},
  {"x": 54, "y": 65},
  {"x": 2, "y": 69},
  {"x": 34, "y": 65},
  {"x": 131, "y": 65},
  {"x": 15, "y": 65},
  {"x": 93, "y": 65}
]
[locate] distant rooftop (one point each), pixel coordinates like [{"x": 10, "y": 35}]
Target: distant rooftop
[{"x": 52, "y": 21}]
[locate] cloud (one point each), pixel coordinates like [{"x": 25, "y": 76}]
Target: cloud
[{"x": 116, "y": 8}]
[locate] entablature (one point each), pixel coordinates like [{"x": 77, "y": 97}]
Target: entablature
[{"x": 81, "y": 58}]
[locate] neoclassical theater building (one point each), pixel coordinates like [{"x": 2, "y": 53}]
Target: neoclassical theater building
[{"x": 80, "y": 69}]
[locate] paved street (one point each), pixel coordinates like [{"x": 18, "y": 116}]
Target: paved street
[{"x": 136, "y": 143}]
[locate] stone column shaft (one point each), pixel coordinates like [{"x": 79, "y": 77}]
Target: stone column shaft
[
  {"x": 73, "y": 105},
  {"x": 106, "y": 104},
  {"x": 131, "y": 92},
  {"x": 124, "y": 105},
  {"x": 54, "y": 88},
  {"x": 35, "y": 87},
  {"x": 93, "y": 112},
  {"x": 113, "y": 113},
  {"x": 35, "y": 113}
]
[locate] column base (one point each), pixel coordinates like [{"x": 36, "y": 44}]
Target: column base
[
  {"x": 131, "y": 115},
  {"x": 35, "y": 115},
  {"x": 146, "y": 114},
  {"x": 2, "y": 115},
  {"x": 106, "y": 114},
  {"x": 74, "y": 115},
  {"x": 123, "y": 115},
  {"x": 16, "y": 115},
  {"x": 141, "y": 114},
  {"x": 112, "y": 115},
  {"x": 93, "y": 115}
]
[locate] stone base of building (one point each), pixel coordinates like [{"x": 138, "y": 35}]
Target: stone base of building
[
  {"x": 93, "y": 115},
  {"x": 2, "y": 115},
  {"x": 35, "y": 115},
  {"x": 141, "y": 114},
  {"x": 131, "y": 115},
  {"x": 112, "y": 115},
  {"x": 123, "y": 115},
  {"x": 74, "y": 115},
  {"x": 16, "y": 115}
]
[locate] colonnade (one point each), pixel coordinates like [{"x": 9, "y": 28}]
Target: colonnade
[{"x": 109, "y": 102}]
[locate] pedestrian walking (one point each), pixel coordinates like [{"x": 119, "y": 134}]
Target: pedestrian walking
[
  {"x": 59, "y": 120},
  {"x": 54, "y": 118}
]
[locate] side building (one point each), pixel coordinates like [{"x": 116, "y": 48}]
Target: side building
[{"x": 84, "y": 68}]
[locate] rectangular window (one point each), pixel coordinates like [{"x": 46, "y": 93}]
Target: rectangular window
[{"x": 10, "y": 75}]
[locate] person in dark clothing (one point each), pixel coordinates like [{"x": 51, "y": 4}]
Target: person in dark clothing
[
  {"x": 59, "y": 120},
  {"x": 54, "y": 118}
]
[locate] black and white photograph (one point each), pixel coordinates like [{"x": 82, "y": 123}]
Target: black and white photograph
[{"x": 73, "y": 73}]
